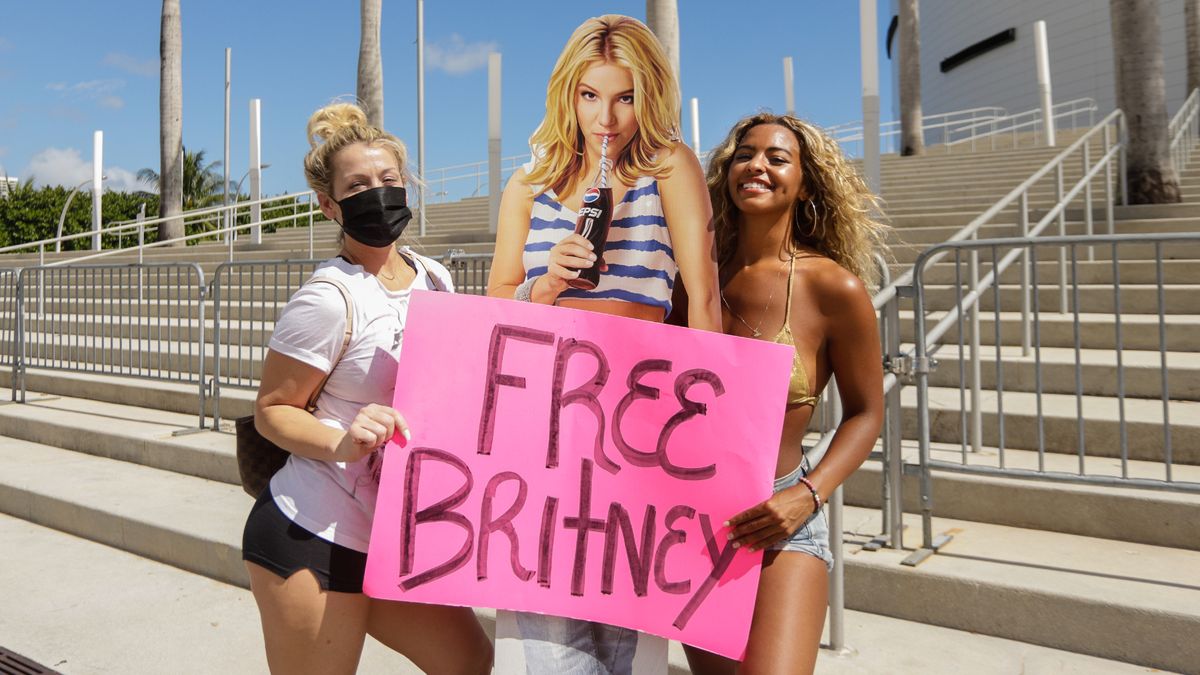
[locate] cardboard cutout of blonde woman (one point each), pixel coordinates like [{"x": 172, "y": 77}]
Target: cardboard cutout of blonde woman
[{"x": 612, "y": 107}]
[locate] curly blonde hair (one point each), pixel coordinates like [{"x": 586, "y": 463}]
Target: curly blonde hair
[
  {"x": 331, "y": 129},
  {"x": 557, "y": 143},
  {"x": 837, "y": 221}
]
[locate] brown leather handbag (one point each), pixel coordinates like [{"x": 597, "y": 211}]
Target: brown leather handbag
[{"x": 258, "y": 459}]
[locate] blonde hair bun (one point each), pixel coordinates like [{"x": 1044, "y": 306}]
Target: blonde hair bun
[{"x": 333, "y": 118}]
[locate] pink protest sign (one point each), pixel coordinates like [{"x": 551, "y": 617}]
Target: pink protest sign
[{"x": 577, "y": 464}]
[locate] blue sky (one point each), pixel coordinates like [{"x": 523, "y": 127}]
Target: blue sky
[{"x": 69, "y": 67}]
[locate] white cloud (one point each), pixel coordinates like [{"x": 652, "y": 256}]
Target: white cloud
[
  {"x": 456, "y": 57},
  {"x": 103, "y": 92},
  {"x": 132, "y": 64},
  {"x": 5, "y": 44},
  {"x": 65, "y": 166}
]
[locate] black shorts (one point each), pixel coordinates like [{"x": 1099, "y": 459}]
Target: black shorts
[{"x": 273, "y": 541}]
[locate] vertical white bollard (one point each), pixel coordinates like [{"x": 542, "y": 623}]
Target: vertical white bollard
[
  {"x": 493, "y": 141},
  {"x": 256, "y": 170},
  {"x": 97, "y": 188},
  {"x": 421, "y": 111},
  {"x": 789, "y": 87},
  {"x": 1042, "y": 53},
  {"x": 868, "y": 39},
  {"x": 225, "y": 165},
  {"x": 696, "y": 125}
]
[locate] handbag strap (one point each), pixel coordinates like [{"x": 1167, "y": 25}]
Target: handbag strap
[{"x": 312, "y": 401}]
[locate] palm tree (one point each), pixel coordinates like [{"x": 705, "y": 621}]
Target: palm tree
[
  {"x": 1191, "y": 18},
  {"x": 201, "y": 182},
  {"x": 170, "y": 110},
  {"x": 370, "y": 65},
  {"x": 662, "y": 16},
  {"x": 912, "y": 141},
  {"x": 1141, "y": 93}
]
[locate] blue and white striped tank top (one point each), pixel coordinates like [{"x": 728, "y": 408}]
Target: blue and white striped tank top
[{"x": 641, "y": 263}]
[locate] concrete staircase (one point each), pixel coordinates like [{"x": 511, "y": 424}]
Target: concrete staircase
[{"x": 1103, "y": 574}]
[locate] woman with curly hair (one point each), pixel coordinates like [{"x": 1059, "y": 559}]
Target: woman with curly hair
[
  {"x": 612, "y": 102},
  {"x": 795, "y": 242}
]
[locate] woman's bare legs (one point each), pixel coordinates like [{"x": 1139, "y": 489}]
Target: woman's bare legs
[
  {"x": 310, "y": 630},
  {"x": 437, "y": 638},
  {"x": 789, "y": 615},
  {"x": 307, "y": 629}
]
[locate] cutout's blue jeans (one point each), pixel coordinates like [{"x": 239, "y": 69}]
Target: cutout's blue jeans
[{"x": 558, "y": 645}]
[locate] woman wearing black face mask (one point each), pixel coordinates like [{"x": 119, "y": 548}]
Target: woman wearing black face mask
[{"x": 306, "y": 538}]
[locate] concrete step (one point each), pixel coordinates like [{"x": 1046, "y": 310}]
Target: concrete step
[
  {"x": 1059, "y": 423},
  {"x": 1009, "y": 228},
  {"x": 166, "y": 612},
  {"x": 1134, "y": 298},
  {"x": 169, "y": 357},
  {"x": 1088, "y": 272},
  {"x": 64, "y": 595},
  {"x": 990, "y": 579},
  {"x": 184, "y": 521},
  {"x": 1155, "y": 517},
  {"x": 907, "y": 253},
  {"x": 1118, "y": 600},
  {"x": 150, "y": 438},
  {"x": 1142, "y": 371},
  {"x": 1097, "y": 331},
  {"x": 138, "y": 392}
]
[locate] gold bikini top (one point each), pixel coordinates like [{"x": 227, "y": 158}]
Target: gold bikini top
[{"x": 799, "y": 391}]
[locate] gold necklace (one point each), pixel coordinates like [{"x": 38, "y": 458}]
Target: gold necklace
[{"x": 754, "y": 330}]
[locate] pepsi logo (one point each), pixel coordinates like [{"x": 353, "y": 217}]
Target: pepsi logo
[{"x": 591, "y": 195}]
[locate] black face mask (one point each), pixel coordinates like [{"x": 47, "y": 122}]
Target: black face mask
[{"x": 376, "y": 217}]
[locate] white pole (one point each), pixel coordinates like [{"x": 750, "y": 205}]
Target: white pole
[
  {"x": 97, "y": 192},
  {"x": 493, "y": 141},
  {"x": 225, "y": 164},
  {"x": 1042, "y": 52},
  {"x": 789, "y": 87},
  {"x": 868, "y": 38},
  {"x": 421, "y": 110},
  {"x": 255, "y": 170},
  {"x": 696, "y": 125}
]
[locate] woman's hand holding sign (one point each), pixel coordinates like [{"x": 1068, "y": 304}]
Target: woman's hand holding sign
[
  {"x": 773, "y": 520},
  {"x": 373, "y": 426}
]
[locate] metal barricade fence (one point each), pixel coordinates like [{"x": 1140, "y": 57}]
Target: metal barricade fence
[
  {"x": 247, "y": 298},
  {"x": 469, "y": 271},
  {"x": 1097, "y": 372},
  {"x": 144, "y": 321},
  {"x": 8, "y": 325}
]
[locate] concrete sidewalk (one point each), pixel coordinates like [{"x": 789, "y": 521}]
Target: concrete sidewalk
[{"x": 81, "y": 607}]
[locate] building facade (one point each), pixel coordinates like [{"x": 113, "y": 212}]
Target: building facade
[{"x": 996, "y": 67}]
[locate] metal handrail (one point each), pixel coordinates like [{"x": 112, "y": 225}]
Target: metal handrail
[
  {"x": 1183, "y": 132},
  {"x": 972, "y": 228},
  {"x": 852, "y": 131},
  {"x": 194, "y": 214},
  {"x": 1033, "y": 118}
]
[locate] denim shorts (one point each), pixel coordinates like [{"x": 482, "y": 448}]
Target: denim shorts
[{"x": 813, "y": 536}]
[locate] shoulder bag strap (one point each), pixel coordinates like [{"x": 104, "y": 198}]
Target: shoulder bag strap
[{"x": 312, "y": 401}]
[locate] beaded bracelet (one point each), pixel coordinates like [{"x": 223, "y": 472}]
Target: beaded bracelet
[
  {"x": 816, "y": 495},
  {"x": 524, "y": 292}
]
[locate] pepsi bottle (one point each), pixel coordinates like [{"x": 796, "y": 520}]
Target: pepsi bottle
[{"x": 595, "y": 216}]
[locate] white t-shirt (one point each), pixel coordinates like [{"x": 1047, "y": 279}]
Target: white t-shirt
[{"x": 336, "y": 500}]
